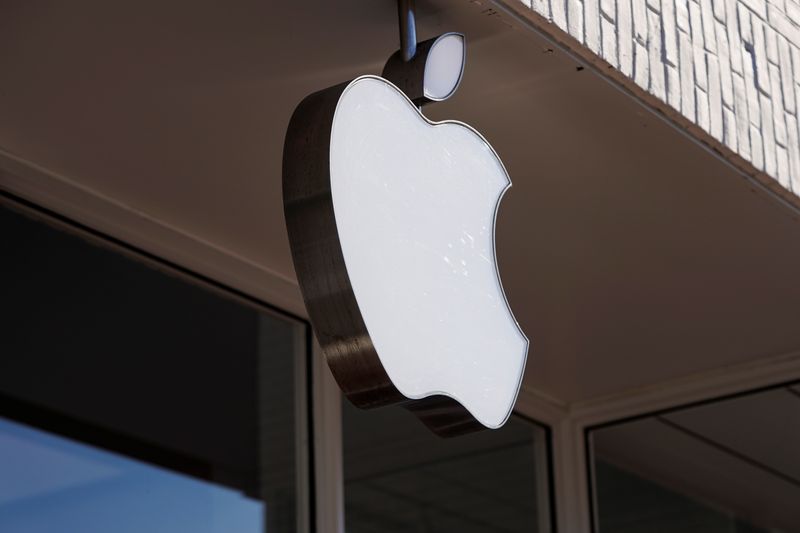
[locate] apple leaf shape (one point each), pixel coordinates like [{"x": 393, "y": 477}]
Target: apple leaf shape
[{"x": 391, "y": 220}]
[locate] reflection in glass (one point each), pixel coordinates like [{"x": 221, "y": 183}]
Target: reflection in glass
[
  {"x": 49, "y": 483},
  {"x": 726, "y": 466}
]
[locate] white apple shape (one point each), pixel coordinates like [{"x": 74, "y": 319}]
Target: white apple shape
[{"x": 415, "y": 205}]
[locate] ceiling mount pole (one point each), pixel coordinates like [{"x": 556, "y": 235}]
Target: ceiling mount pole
[{"x": 408, "y": 28}]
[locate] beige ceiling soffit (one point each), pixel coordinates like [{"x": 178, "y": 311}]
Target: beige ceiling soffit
[
  {"x": 88, "y": 207},
  {"x": 765, "y": 372},
  {"x": 540, "y": 406},
  {"x": 515, "y": 9}
]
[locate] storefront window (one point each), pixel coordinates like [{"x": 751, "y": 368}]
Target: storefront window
[
  {"x": 134, "y": 401},
  {"x": 399, "y": 477},
  {"x": 727, "y": 466}
]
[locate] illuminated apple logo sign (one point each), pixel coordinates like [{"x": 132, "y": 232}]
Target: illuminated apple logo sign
[{"x": 391, "y": 224}]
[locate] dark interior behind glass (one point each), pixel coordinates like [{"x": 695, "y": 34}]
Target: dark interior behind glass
[{"x": 400, "y": 477}]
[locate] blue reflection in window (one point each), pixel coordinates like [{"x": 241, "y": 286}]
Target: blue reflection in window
[{"x": 49, "y": 484}]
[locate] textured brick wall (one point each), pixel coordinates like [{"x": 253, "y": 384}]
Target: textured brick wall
[{"x": 730, "y": 66}]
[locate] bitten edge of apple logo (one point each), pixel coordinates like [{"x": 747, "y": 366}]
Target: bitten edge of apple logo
[{"x": 322, "y": 273}]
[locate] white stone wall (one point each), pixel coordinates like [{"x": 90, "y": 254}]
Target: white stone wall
[{"x": 730, "y": 66}]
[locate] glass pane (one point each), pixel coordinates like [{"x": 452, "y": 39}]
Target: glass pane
[
  {"x": 49, "y": 483},
  {"x": 727, "y": 466},
  {"x": 399, "y": 477},
  {"x": 200, "y": 390}
]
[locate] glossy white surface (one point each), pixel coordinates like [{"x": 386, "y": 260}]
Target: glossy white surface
[
  {"x": 415, "y": 209},
  {"x": 444, "y": 67}
]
